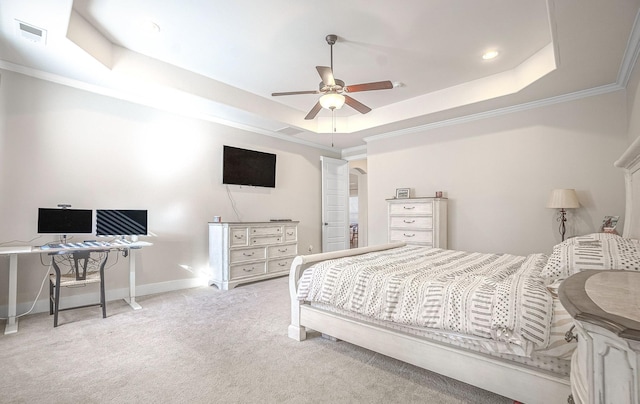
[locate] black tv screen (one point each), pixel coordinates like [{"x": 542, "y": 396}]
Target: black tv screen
[
  {"x": 248, "y": 167},
  {"x": 65, "y": 221},
  {"x": 121, "y": 222}
]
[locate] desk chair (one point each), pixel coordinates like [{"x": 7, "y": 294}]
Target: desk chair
[{"x": 78, "y": 276}]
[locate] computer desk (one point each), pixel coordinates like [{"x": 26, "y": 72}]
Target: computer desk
[{"x": 14, "y": 251}]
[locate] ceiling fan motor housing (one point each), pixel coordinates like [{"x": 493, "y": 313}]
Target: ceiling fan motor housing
[{"x": 338, "y": 87}]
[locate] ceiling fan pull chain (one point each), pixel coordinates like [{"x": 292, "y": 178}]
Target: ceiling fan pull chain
[{"x": 333, "y": 123}]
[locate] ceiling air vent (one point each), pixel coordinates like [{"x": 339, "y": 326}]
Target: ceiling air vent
[
  {"x": 31, "y": 33},
  {"x": 289, "y": 131}
]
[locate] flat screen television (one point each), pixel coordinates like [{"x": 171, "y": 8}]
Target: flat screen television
[
  {"x": 65, "y": 221},
  {"x": 248, "y": 167},
  {"x": 121, "y": 222}
]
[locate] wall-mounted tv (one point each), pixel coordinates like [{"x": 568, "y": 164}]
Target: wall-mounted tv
[
  {"x": 65, "y": 221},
  {"x": 121, "y": 222},
  {"x": 248, "y": 167}
]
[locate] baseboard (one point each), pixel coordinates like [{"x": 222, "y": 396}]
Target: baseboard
[{"x": 42, "y": 305}]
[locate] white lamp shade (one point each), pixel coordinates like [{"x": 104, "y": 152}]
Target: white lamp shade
[
  {"x": 563, "y": 199},
  {"x": 332, "y": 100}
]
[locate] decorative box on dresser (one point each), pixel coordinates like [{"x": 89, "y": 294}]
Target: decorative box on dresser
[
  {"x": 605, "y": 368},
  {"x": 242, "y": 252},
  {"x": 421, "y": 221}
]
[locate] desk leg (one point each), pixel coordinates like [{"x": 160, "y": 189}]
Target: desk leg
[
  {"x": 132, "y": 281},
  {"x": 12, "y": 322}
]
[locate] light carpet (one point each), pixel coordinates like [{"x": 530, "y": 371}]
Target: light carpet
[{"x": 204, "y": 345}]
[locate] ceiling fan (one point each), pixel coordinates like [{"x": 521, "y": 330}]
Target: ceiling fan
[{"x": 333, "y": 90}]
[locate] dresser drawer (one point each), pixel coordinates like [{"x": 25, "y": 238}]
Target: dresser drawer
[
  {"x": 281, "y": 265},
  {"x": 244, "y": 270},
  {"x": 246, "y": 254},
  {"x": 411, "y": 236},
  {"x": 265, "y": 240},
  {"x": 265, "y": 230},
  {"x": 290, "y": 233},
  {"x": 238, "y": 236},
  {"x": 411, "y": 208},
  {"x": 411, "y": 222},
  {"x": 285, "y": 250}
]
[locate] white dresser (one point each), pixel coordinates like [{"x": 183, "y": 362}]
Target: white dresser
[
  {"x": 421, "y": 221},
  {"x": 241, "y": 252},
  {"x": 605, "y": 368}
]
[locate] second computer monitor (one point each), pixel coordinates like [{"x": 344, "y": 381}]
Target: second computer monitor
[{"x": 121, "y": 222}]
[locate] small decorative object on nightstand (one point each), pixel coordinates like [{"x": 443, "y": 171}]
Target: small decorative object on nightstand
[
  {"x": 609, "y": 224},
  {"x": 563, "y": 199}
]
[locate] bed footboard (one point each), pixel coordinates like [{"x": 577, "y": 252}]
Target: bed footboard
[{"x": 300, "y": 263}]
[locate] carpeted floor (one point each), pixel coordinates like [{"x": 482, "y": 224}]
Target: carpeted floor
[{"x": 204, "y": 345}]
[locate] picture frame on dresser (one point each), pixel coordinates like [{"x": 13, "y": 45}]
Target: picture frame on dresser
[{"x": 403, "y": 193}]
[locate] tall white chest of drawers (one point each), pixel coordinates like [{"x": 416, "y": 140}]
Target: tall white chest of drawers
[
  {"x": 242, "y": 252},
  {"x": 421, "y": 221}
]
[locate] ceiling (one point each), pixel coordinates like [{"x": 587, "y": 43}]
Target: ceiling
[{"x": 222, "y": 60}]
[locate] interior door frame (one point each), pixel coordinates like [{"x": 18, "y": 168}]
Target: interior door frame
[{"x": 335, "y": 204}]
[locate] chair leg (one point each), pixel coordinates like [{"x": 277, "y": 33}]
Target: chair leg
[
  {"x": 103, "y": 302},
  {"x": 50, "y": 297},
  {"x": 56, "y": 299},
  {"x": 56, "y": 302}
]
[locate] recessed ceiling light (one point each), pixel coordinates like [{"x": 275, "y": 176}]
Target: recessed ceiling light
[{"x": 490, "y": 55}]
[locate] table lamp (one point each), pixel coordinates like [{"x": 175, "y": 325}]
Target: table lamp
[{"x": 563, "y": 199}]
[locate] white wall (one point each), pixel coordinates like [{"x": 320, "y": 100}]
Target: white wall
[
  {"x": 498, "y": 173},
  {"x": 633, "y": 103},
  {"x": 63, "y": 145}
]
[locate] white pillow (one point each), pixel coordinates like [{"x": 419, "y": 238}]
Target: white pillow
[{"x": 595, "y": 251}]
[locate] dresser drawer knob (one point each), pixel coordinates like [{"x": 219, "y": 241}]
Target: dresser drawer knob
[
  {"x": 409, "y": 221},
  {"x": 248, "y": 269},
  {"x": 282, "y": 251},
  {"x": 283, "y": 264},
  {"x": 249, "y": 255},
  {"x": 409, "y": 235},
  {"x": 409, "y": 207},
  {"x": 239, "y": 236}
]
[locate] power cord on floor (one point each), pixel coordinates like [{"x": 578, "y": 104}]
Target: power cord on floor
[{"x": 46, "y": 276}]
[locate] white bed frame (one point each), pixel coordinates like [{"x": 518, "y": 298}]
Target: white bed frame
[{"x": 512, "y": 380}]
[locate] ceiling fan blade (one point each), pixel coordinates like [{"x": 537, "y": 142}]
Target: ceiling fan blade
[
  {"x": 378, "y": 85},
  {"x": 357, "y": 105},
  {"x": 314, "y": 111},
  {"x": 295, "y": 93},
  {"x": 327, "y": 75}
]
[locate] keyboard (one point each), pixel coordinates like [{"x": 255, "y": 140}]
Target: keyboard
[{"x": 86, "y": 244}]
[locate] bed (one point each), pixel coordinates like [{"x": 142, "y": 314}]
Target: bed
[{"x": 493, "y": 321}]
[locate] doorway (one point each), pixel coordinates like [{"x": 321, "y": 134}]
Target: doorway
[{"x": 358, "y": 203}]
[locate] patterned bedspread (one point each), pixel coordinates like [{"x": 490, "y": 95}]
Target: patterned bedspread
[{"x": 501, "y": 297}]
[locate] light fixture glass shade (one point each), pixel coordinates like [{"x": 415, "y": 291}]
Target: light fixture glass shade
[
  {"x": 563, "y": 199},
  {"x": 332, "y": 100}
]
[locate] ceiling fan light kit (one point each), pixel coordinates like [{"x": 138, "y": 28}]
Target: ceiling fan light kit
[
  {"x": 332, "y": 100},
  {"x": 333, "y": 89}
]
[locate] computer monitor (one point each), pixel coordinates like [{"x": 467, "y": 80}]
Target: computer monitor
[
  {"x": 65, "y": 221},
  {"x": 121, "y": 222}
]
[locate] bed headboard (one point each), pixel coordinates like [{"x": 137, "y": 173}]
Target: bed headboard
[{"x": 630, "y": 163}]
